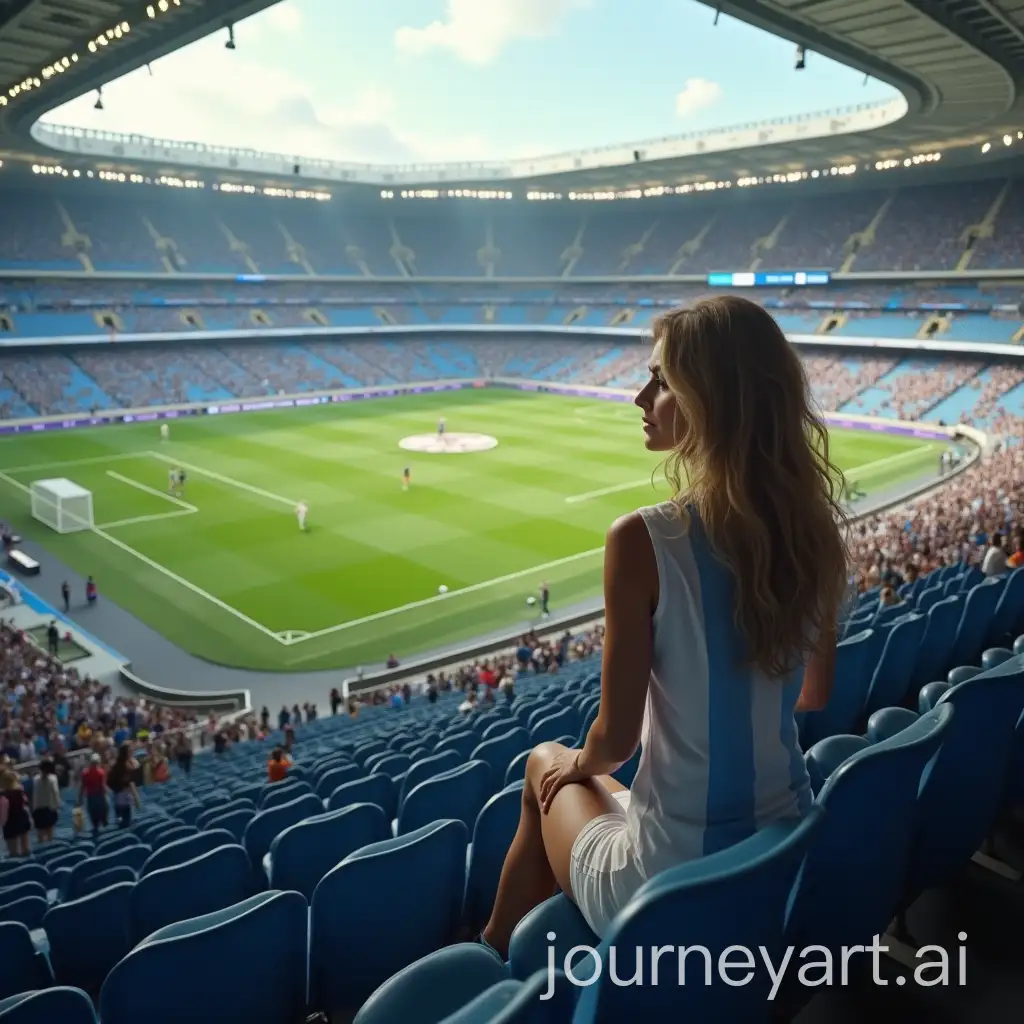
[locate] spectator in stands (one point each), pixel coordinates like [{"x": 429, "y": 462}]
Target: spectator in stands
[
  {"x": 121, "y": 783},
  {"x": 747, "y": 557},
  {"x": 1016, "y": 560},
  {"x": 284, "y": 716},
  {"x": 469, "y": 704},
  {"x": 392, "y": 661},
  {"x": 278, "y": 765},
  {"x": 157, "y": 769},
  {"x": 92, "y": 793},
  {"x": 45, "y": 801},
  {"x": 335, "y": 700},
  {"x": 888, "y": 596},
  {"x": 91, "y": 591},
  {"x": 183, "y": 753},
  {"x": 14, "y": 815},
  {"x": 995, "y": 561}
]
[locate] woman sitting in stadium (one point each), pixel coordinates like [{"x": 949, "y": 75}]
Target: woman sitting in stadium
[{"x": 720, "y": 609}]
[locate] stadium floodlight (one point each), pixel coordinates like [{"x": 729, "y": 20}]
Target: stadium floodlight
[
  {"x": 230, "y": 44},
  {"x": 62, "y": 505},
  {"x": 98, "y": 105}
]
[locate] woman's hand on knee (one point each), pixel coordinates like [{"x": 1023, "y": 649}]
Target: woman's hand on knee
[{"x": 562, "y": 770}]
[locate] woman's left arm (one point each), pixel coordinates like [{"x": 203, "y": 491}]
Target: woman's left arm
[{"x": 630, "y": 600}]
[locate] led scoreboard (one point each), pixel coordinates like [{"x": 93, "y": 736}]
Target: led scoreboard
[{"x": 769, "y": 279}]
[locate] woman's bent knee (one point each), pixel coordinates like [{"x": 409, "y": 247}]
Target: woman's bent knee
[{"x": 540, "y": 760}]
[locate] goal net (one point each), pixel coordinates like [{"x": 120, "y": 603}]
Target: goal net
[{"x": 62, "y": 505}]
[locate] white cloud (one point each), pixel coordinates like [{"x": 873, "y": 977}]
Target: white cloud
[
  {"x": 284, "y": 17},
  {"x": 478, "y": 30},
  {"x": 697, "y": 94},
  {"x": 214, "y": 96}
]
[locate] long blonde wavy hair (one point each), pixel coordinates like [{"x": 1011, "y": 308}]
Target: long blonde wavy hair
[{"x": 752, "y": 458}]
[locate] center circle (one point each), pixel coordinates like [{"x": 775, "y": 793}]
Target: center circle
[{"x": 448, "y": 444}]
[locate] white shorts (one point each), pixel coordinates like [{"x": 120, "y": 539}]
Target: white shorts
[{"x": 602, "y": 869}]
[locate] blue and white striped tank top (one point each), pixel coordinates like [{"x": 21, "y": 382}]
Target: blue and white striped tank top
[{"x": 720, "y": 753}]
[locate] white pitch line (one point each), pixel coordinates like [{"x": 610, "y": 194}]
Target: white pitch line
[
  {"x": 155, "y": 517},
  {"x": 600, "y": 492},
  {"x": 180, "y": 580},
  {"x": 240, "y": 484},
  {"x": 471, "y": 589},
  {"x": 91, "y": 461},
  {"x": 152, "y": 490},
  {"x": 889, "y": 459},
  {"x": 187, "y": 584}
]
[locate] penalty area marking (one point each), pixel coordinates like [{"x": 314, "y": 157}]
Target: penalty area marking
[
  {"x": 574, "y": 499},
  {"x": 184, "y": 507},
  {"x": 448, "y": 444}
]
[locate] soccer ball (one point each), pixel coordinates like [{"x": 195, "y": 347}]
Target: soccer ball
[
  {"x": 531, "y": 601},
  {"x": 442, "y": 589}
]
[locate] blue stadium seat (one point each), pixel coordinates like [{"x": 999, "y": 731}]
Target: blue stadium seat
[
  {"x": 105, "y": 879},
  {"x": 217, "y": 954},
  {"x": 424, "y": 769},
  {"x": 29, "y": 911},
  {"x": 976, "y": 621},
  {"x": 330, "y": 780},
  {"x": 538, "y": 1000},
  {"x": 960, "y": 800},
  {"x": 735, "y": 897},
  {"x": 208, "y": 882},
  {"x": 549, "y": 727},
  {"x": 301, "y": 855},
  {"x": 499, "y": 751},
  {"x": 852, "y": 882},
  {"x": 458, "y": 795},
  {"x": 186, "y": 849},
  {"x": 24, "y": 969},
  {"x": 262, "y": 830},
  {"x": 493, "y": 833},
  {"x": 849, "y": 692},
  {"x": 890, "y": 682},
  {"x": 58, "y": 1005},
  {"x": 393, "y": 765},
  {"x": 1009, "y": 614},
  {"x": 937, "y": 643},
  {"x": 284, "y": 792},
  {"x": 517, "y": 768},
  {"x": 434, "y": 987},
  {"x": 374, "y": 789},
  {"x": 464, "y": 744},
  {"x": 18, "y": 891},
  {"x": 109, "y": 843},
  {"x": 204, "y": 820},
  {"x": 129, "y": 856},
  {"x": 381, "y": 909},
  {"x": 24, "y": 871},
  {"x": 88, "y": 936},
  {"x": 233, "y": 822}
]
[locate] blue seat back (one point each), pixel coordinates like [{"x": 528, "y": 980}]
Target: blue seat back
[
  {"x": 129, "y": 856},
  {"x": 233, "y": 822},
  {"x": 499, "y": 751},
  {"x": 1009, "y": 614},
  {"x": 493, "y": 833},
  {"x": 425, "y": 769},
  {"x": 88, "y": 936},
  {"x": 330, "y": 780},
  {"x": 891, "y": 680},
  {"x": 735, "y": 897},
  {"x": 186, "y": 849},
  {"x": 260, "y": 832},
  {"x": 201, "y": 950},
  {"x": 29, "y": 911},
  {"x": 59, "y": 1005},
  {"x": 105, "y": 879},
  {"x": 302, "y": 854},
  {"x": 374, "y": 789},
  {"x": 423, "y": 876},
  {"x": 208, "y": 882},
  {"x": 937, "y": 643},
  {"x": 458, "y": 794},
  {"x": 963, "y": 792},
  {"x": 849, "y": 692},
  {"x": 280, "y": 793},
  {"x": 852, "y": 883},
  {"x": 976, "y": 621}
]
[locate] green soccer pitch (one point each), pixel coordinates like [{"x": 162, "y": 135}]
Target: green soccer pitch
[{"x": 224, "y": 571}]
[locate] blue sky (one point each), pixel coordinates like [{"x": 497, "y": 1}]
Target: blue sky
[{"x": 399, "y": 81}]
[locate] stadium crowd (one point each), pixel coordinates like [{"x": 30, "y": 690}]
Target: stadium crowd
[{"x": 50, "y": 710}]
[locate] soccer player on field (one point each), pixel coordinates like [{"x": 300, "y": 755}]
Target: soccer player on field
[
  {"x": 181, "y": 482},
  {"x": 405, "y": 479},
  {"x": 300, "y": 513},
  {"x": 165, "y": 432},
  {"x": 172, "y": 480},
  {"x": 440, "y": 428}
]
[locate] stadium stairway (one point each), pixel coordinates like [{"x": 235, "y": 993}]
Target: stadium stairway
[{"x": 384, "y": 846}]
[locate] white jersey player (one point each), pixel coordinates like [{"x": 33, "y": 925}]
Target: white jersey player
[
  {"x": 172, "y": 481},
  {"x": 300, "y": 513},
  {"x": 165, "y": 432}
]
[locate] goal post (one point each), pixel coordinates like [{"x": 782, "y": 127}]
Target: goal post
[{"x": 62, "y": 505}]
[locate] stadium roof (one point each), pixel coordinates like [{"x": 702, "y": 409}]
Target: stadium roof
[{"x": 959, "y": 65}]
